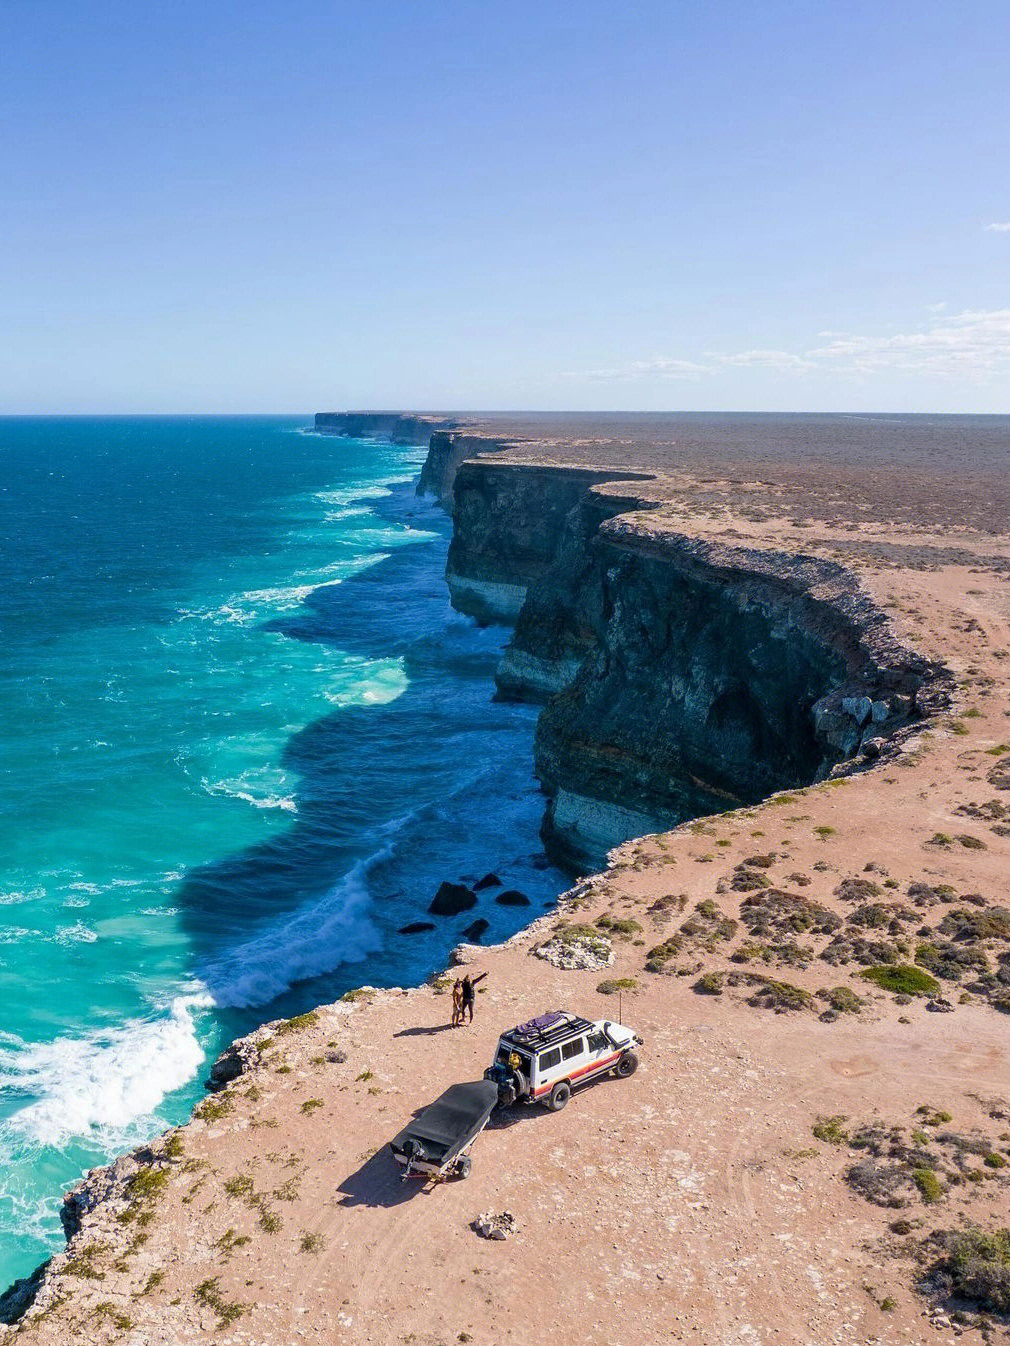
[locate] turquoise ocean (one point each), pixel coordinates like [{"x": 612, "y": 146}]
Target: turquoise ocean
[{"x": 243, "y": 738}]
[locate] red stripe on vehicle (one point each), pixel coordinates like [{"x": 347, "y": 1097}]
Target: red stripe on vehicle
[{"x": 569, "y": 1079}]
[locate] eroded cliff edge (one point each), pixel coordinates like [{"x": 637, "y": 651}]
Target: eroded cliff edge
[{"x": 681, "y": 675}]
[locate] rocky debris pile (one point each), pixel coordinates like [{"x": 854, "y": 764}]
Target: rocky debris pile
[
  {"x": 577, "y": 948},
  {"x": 490, "y": 1224}
]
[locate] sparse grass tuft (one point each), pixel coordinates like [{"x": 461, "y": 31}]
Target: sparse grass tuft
[
  {"x": 830, "y": 1130},
  {"x": 311, "y": 1104},
  {"x": 208, "y": 1293},
  {"x": 311, "y": 1243},
  {"x": 296, "y": 1024}
]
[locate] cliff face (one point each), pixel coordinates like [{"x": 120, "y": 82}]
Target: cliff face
[
  {"x": 558, "y": 623},
  {"x": 447, "y": 450},
  {"x": 398, "y": 427},
  {"x": 716, "y": 676},
  {"x": 508, "y": 524},
  {"x": 682, "y": 677}
]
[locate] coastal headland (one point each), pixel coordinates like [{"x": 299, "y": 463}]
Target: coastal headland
[{"x": 775, "y": 754}]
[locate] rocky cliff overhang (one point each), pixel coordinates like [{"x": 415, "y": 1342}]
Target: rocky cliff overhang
[
  {"x": 681, "y": 676},
  {"x": 508, "y": 525},
  {"x": 397, "y": 426}
]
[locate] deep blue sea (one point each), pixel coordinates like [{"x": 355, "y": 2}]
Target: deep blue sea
[{"x": 243, "y": 738}]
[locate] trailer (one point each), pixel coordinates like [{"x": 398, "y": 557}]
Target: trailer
[{"x": 436, "y": 1144}]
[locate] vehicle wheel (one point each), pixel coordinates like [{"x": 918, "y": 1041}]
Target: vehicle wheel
[
  {"x": 627, "y": 1065},
  {"x": 560, "y": 1095},
  {"x": 464, "y": 1166}
]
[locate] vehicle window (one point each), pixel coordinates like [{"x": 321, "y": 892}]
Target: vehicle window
[
  {"x": 597, "y": 1042},
  {"x": 574, "y": 1048},
  {"x": 502, "y": 1059},
  {"x": 548, "y": 1060}
]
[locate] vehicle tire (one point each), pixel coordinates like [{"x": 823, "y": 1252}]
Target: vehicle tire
[
  {"x": 464, "y": 1166},
  {"x": 560, "y": 1095},
  {"x": 627, "y": 1065}
]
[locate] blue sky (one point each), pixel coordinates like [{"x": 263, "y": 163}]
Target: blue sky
[{"x": 266, "y": 206}]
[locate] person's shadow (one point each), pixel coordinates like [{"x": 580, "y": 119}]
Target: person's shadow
[{"x": 423, "y": 1030}]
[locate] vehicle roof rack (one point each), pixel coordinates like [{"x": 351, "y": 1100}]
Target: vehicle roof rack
[{"x": 548, "y": 1029}]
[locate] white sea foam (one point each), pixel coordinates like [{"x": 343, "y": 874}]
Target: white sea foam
[
  {"x": 367, "y": 682},
  {"x": 75, "y": 934},
  {"x": 262, "y": 787},
  {"x": 333, "y": 930},
  {"x": 17, "y": 895},
  {"x": 348, "y": 495},
  {"x": 101, "y": 1083}
]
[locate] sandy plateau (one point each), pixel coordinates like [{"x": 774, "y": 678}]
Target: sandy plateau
[{"x": 730, "y": 1192}]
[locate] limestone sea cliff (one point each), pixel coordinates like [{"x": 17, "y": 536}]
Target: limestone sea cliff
[
  {"x": 682, "y": 676},
  {"x": 396, "y": 426}
]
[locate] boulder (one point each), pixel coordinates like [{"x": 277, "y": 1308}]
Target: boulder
[
  {"x": 473, "y": 932},
  {"x": 859, "y": 707},
  {"x": 451, "y": 899},
  {"x": 416, "y": 927},
  {"x": 488, "y": 881},
  {"x": 512, "y": 897}
]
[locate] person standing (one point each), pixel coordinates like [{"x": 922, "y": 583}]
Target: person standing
[
  {"x": 468, "y": 994},
  {"x": 457, "y": 1003}
]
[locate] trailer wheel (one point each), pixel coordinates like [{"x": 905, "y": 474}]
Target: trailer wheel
[
  {"x": 464, "y": 1166},
  {"x": 627, "y": 1065},
  {"x": 560, "y": 1095}
]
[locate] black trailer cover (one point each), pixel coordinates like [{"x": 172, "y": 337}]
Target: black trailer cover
[{"x": 453, "y": 1119}]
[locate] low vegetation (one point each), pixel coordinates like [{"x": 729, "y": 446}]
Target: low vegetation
[
  {"x": 901, "y": 979},
  {"x": 612, "y": 985},
  {"x": 208, "y": 1293},
  {"x": 973, "y": 1268}
]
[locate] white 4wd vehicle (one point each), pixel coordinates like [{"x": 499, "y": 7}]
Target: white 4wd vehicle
[{"x": 543, "y": 1060}]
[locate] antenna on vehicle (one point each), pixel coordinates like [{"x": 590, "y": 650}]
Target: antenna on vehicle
[{"x": 620, "y": 1007}]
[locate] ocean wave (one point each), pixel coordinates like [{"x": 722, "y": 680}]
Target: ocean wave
[
  {"x": 104, "y": 1082},
  {"x": 375, "y": 490},
  {"x": 333, "y": 930}
]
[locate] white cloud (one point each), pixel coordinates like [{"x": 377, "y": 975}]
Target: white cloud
[
  {"x": 784, "y": 360},
  {"x": 639, "y": 369},
  {"x": 998, "y": 227},
  {"x": 971, "y": 344}
]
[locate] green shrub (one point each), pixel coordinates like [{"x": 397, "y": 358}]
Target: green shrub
[
  {"x": 709, "y": 983},
  {"x": 931, "y": 1189},
  {"x": 841, "y": 998},
  {"x": 901, "y": 979},
  {"x": 614, "y": 984},
  {"x": 979, "y": 1267}
]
